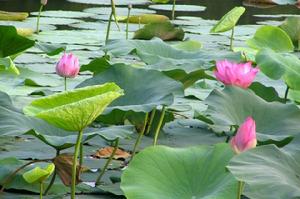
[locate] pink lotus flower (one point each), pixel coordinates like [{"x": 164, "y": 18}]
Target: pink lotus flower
[
  {"x": 246, "y": 137},
  {"x": 238, "y": 74},
  {"x": 44, "y": 2},
  {"x": 68, "y": 66}
]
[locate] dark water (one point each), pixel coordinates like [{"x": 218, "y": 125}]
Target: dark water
[{"x": 215, "y": 8}]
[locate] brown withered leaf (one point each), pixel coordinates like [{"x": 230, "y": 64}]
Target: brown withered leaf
[
  {"x": 107, "y": 151},
  {"x": 63, "y": 165}
]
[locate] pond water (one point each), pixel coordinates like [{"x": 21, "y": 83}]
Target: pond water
[{"x": 215, "y": 8}]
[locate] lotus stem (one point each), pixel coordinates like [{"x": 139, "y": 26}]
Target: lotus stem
[
  {"x": 11, "y": 176},
  {"x": 41, "y": 190},
  {"x": 158, "y": 128},
  {"x": 231, "y": 39},
  {"x": 65, "y": 81},
  {"x": 150, "y": 121},
  {"x": 113, "y": 10},
  {"x": 98, "y": 180},
  {"x": 240, "y": 189},
  {"x": 38, "y": 19},
  {"x": 173, "y": 9},
  {"x": 74, "y": 166},
  {"x": 81, "y": 155},
  {"x": 53, "y": 177},
  {"x": 141, "y": 134},
  {"x": 286, "y": 94},
  {"x": 127, "y": 21},
  {"x": 108, "y": 28}
]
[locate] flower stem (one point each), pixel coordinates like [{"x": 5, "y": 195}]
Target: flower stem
[
  {"x": 127, "y": 22},
  {"x": 53, "y": 177},
  {"x": 286, "y": 94},
  {"x": 240, "y": 189},
  {"x": 41, "y": 190},
  {"x": 74, "y": 166},
  {"x": 152, "y": 115},
  {"x": 141, "y": 134},
  {"x": 231, "y": 39},
  {"x": 158, "y": 128},
  {"x": 38, "y": 19},
  {"x": 98, "y": 180},
  {"x": 65, "y": 80},
  {"x": 81, "y": 155},
  {"x": 108, "y": 28},
  {"x": 173, "y": 9},
  {"x": 113, "y": 10}
]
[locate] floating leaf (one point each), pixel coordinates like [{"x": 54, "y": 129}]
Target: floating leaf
[
  {"x": 184, "y": 8},
  {"x": 64, "y": 14},
  {"x": 146, "y": 18},
  {"x": 265, "y": 37},
  {"x": 201, "y": 171},
  {"x": 229, "y": 20},
  {"x": 13, "y": 16},
  {"x": 292, "y": 27},
  {"x": 50, "y": 49},
  {"x": 107, "y": 151},
  {"x": 65, "y": 110},
  {"x": 163, "y": 30}
]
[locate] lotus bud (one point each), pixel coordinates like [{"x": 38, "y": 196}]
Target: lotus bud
[
  {"x": 130, "y": 6},
  {"x": 237, "y": 74},
  {"x": 44, "y": 2},
  {"x": 245, "y": 137},
  {"x": 68, "y": 66}
]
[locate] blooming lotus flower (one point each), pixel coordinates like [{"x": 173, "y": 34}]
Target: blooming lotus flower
[
  {"x": 238, "y": 74},
  {"x": 246, "y": 137},
  {"x": 44, "y": 2},
  {"x": 68, "y": 66}
]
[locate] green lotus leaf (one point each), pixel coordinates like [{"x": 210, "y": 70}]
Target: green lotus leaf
[
  {"x": 144, "y": 89},
  {"x": 74, "y": 110},
  {"x": 146, "y": 18},
  {"x": 12, "y": 43},
  {"x": 180, "y": 173},
  {"x": 276, "y": 66},
  {"x": 292, "y": 27},
  {"x": 39, "y": 174},
  {"x": 160, "y": 1},
  {"x": 9, "y": 65},
  {"x": 269, "y": 172},
  {"x": 271, "y": 37},
  {"x": 163, "y": 30},
  {"x": 274, "y": 121},
  {"x": 229, "y": 20}
]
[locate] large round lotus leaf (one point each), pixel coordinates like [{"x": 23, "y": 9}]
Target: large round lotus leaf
[
  {"x": 120, "y": 11},
  {"x": 74, "y": 110},
  {"x": 233, "y": 105},
  {"x": 64, "y": 14},
  {"x": 276, "y": 66},
  {"x": 108, "y": 2},
  {"x": 27, "y": 25},
  {"x": 173, "y": 173},
  {"x": 265, "y": 37},
  {"x": 12, "y": 43},
  {"x": 229, "y": 20},
  {"x": 39, "y": 174},
  {"x": 184, "y": 8},
  {"x": 144, "y": 89},
  {"x": 269, "y": 172}
]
